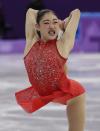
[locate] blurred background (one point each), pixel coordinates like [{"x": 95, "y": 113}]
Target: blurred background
[{"x": 83, "y": 64}]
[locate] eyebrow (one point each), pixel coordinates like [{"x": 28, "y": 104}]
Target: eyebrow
[{"x": 49, "y": 20}]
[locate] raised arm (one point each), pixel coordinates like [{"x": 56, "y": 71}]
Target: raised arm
[
  {"x": 70, "y": 28},
  {"x": 30, "y": 30}
]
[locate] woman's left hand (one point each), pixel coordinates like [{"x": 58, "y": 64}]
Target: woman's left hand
[{"x": 61, "y": 24}]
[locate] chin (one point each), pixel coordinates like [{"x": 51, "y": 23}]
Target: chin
[{"x": 52, "y": 37}]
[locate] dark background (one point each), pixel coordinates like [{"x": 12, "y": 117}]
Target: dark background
[{"x": 15, "y": 10}]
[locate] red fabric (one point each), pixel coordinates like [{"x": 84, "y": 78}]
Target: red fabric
[{"x": 45, "y": 69}]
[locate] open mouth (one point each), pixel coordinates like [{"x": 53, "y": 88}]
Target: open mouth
[{"x": 51, "y": 32}]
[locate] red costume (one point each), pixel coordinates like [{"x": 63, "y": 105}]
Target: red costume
[{"x": 45, "y": 68}]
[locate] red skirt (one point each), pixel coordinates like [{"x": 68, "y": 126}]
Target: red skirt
[{"x": 31, "y": 101}]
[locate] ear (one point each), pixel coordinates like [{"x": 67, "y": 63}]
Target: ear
[{"x": 37, "y": 27}]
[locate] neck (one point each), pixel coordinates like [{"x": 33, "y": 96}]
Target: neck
[{"x": 43, "y": 39}]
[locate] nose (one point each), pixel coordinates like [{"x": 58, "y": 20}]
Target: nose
[{"x": 51, "y": 25}]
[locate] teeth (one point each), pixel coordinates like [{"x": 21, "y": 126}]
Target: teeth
[{"x": 51, "y": 32}]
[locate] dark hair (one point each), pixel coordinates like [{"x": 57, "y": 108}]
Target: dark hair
[{"x": 40, "y": 15}]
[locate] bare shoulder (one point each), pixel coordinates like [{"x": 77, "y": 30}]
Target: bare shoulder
[
  {"x": 28, "y": 46},
  {"x": 61, "y": 49}
]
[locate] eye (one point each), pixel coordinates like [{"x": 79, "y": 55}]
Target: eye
[
  {"x": 46, "y": 23},
  {"x": 55, "y": 22}
]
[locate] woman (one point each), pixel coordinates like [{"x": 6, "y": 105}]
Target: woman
[{"x": 45, "y": 55}]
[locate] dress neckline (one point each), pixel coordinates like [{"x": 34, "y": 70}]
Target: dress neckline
[
  {"x": 45, "y": 42},
  {"x": 40, "y": 42}
]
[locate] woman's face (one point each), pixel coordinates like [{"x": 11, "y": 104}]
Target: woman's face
[{"x": 49, "y": 26}]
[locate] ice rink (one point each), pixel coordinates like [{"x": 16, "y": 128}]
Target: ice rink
[{"x": 82, "y": 67}]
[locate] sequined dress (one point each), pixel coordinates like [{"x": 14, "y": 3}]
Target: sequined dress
[{"x": 45, "y": 69}]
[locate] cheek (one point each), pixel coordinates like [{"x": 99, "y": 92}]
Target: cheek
[
  {"x": 56, "y": 26},
  {"x": 57, "y": 29},
  {"x": 45, "y": 27},
  {"x": 44, "y": 31}
]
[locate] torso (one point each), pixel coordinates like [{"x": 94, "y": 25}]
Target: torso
[{"x": 44, "y": 66}]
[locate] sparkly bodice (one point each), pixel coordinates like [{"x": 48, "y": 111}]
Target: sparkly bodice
[{"x": 44, "y": 66}]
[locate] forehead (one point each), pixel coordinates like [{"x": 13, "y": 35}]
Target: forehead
[{"x": 49, "y": 16}]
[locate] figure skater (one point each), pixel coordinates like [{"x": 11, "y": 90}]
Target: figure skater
[{"x": 49, "y": 42}]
